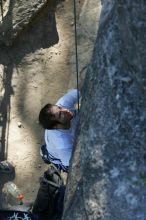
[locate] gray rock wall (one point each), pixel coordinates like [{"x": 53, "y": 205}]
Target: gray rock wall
[{"x": 107, "y": 179}]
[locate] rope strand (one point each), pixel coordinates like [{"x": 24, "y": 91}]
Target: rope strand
[{"x": 76, "y": 51}]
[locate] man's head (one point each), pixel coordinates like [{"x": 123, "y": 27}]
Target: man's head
[{"x": 53, "y": 116}]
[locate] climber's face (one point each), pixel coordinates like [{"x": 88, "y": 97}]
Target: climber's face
[{"x": 61, "y": 114}]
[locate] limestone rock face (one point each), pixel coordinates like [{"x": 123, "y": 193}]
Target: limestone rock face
[{"x": 107, "y": 179}]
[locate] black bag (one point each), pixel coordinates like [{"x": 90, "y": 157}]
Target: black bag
[{"x": 49, "y": 201}]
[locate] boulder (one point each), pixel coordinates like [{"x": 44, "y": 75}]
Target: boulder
[{"x": 16, "y": 15}]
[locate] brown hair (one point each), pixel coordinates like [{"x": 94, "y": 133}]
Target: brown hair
[{"x": 46, "y": 118}]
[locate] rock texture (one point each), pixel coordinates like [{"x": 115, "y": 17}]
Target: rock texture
[
  {"x": 16, "y": 15},
  {"x": 107, "y": 179}
]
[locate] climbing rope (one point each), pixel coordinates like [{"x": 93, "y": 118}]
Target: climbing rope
[
  {"x": 1, "y": 2},
  {"x": 76, "y": 52}
]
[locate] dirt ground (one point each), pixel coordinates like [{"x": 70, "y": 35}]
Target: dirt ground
[{"x": 39, "y": 77}]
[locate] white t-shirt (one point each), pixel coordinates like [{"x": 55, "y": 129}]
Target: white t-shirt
[{"x": 59, "y": 142}]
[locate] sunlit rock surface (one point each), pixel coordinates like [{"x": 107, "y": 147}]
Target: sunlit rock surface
[
  {"x": 87, "y": 25},
  {"x": 107, "y": 179}
]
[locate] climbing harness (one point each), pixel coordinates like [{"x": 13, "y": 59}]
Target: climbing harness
[
  {"x": 1, "y": 2},
  {"x": 76, "y": 51}
]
